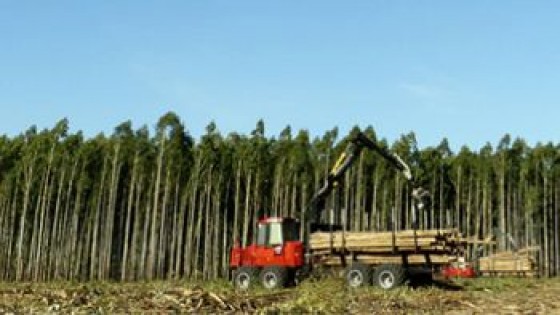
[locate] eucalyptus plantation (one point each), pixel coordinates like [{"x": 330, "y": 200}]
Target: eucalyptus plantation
[{"x": 158, "y": 204}]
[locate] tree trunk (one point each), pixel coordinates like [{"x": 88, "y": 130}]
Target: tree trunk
[
  {"x": 130, "y": 205},
  {"x": 153, "y": 220},
  {"x": 95, "y": 264}
]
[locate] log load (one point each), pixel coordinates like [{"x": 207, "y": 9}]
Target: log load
[
  {"x": 410, "y": 246},
  {"x": 521, "y": 263}
]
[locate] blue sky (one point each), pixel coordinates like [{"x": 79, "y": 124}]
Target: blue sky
[{"x": 467, "y": 70}]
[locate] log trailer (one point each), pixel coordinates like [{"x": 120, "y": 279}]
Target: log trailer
[{"x": 281, "y": 257}]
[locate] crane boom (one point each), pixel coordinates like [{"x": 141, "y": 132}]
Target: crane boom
[
  {"x": 360, "y": 141},
  {"x": 349, "y": 156}
]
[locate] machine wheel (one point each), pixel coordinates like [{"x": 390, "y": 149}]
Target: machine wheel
[
  {"x": 244, "y": 277},
  {"x": 274, "y": 277},
  {"x": 389, "y": 276},
  {"x": 358, "y": 275}
]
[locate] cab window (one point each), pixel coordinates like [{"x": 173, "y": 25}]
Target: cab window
[
  {"x": 275, "y": 234},
  {"x": 262, "y": 234}
]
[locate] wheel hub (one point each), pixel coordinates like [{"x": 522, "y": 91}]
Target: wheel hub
[
  {"x": 270, "y": 280},
  {"x": 386, "y": 279},
  {"x": 355, "y": 278},
  {"x": 243, "y": 281}
]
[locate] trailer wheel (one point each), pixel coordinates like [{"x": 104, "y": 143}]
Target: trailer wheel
[
  {"x": 274, "y": 277},
  {"x": 389, "y": 276},
  {"x": 244, "y": 277},
  {"x": 358, "y": 275}
]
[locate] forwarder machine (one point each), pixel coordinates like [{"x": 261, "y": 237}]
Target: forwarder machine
[{"x": 280, "y": 257}]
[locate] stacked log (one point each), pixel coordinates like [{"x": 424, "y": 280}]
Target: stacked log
[
  {"x": 521, "y": 263},
  {"x": 420, "y": 246},
  {"x": 411, "y": 259}
]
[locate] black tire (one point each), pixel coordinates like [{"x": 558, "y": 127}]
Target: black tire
[
  {"x": 274, "y": 277},
  {"x": 358, "y": 275},
  {"x": 389, "y": 276},
  {"x": 245, "y": 277}
]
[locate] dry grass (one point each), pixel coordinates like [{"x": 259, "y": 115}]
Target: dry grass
[{"x": 329, "y": 296}]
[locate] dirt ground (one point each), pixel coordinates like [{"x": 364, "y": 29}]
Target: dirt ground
[{"x": 330, "y": 296}]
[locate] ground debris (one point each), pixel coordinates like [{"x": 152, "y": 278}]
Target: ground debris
[
  {"x": 112, "y": 298},
  {"x": 327, "y": 296}
]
